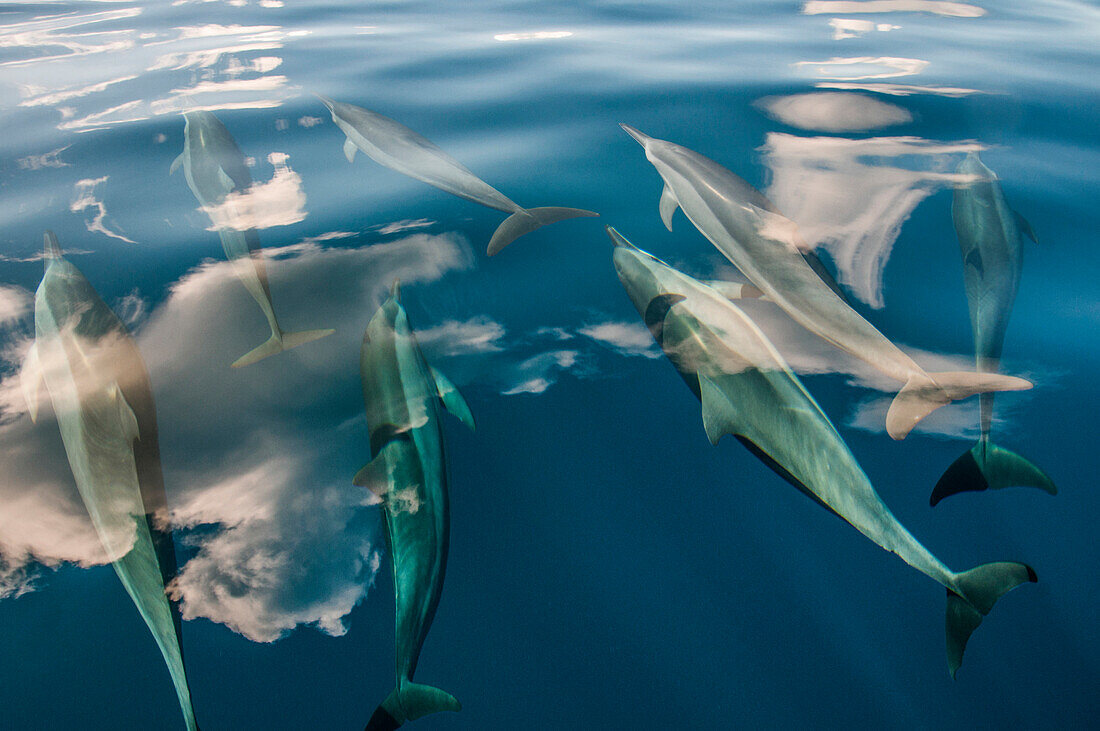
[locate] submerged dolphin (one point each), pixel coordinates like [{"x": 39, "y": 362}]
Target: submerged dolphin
[
  {"x": 407, "y": 471},
  {"x": 991, "y": 239},
  {"x": 103, "y": 401},
  {"x": 215, "y": 171},
  {"x": 765, "y": 246},
  {"x": 394, "y": 145},
  {"x": 747, "y": 390}
]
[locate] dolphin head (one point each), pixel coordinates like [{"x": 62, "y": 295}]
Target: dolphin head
[
  {"x": 973, "y": 166},
  {"x": 639, "y": 271},
  {"x": 638, "y": 135}
]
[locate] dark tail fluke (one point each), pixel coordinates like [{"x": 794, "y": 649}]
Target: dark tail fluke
[
  {"x": 980, "y": 588},
  {"x": 408, "y": 702},
  {"x": 985, "y": 466}
]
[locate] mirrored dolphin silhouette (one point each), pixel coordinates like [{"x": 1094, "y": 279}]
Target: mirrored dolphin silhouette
[
  {"x": 103, "y": 401},
  {"x": 394, "y": 145},
  {"x": 747, "y": 390},
  {"x": 991, "y": 241},
  {"x": 216, "y": 172},
  {"x": 766, "y": 248},
  {"x": 402, "y": 394}
]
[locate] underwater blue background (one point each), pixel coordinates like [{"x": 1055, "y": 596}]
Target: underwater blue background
[{"x": 609, "y": 568}]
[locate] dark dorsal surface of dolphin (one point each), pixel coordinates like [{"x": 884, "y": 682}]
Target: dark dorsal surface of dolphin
[
  {"x": 216, "y": 173},
  {"x": 747, "y": 390},
  {"x": 991, "y": 241},
  {"x": 403, "y": 395},
  {"x": 399, "y": 148},
  {"x": 766, "y": 247},
  {"x": 103, "y": 401}
]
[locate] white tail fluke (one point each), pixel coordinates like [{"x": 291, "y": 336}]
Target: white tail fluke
[{"x": 924, "y": 393}]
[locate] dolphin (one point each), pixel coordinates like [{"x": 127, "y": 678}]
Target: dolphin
[
  {"x": 765, "y": 246},
  {"x": 394, "y": 145},
  {"x": 407, "y": 472},
  {"x": 215, "y": 170},
  {"x": 103, "y": 401},
  {"x": 747, "y": 390},
  {"x": 991, "y": 240}
]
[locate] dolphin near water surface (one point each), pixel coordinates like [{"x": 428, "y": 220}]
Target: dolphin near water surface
[
  {"x": 766, "y": 248},
  {"x": 407, "y": 471},
  {"x": 747, "y": 390},
  {"x": 216, "y": 173},
  {"x": 991, "y": 241},
  {"x": 103, "y": 402},
  {"x": 394, "y": 145}
]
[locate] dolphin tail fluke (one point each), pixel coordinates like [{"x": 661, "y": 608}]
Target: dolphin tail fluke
[
  {"x": 980, "y": 587},
  {"x": 277, "y": 343},
  {"x": 924, "y": 393},
  {"x": 408, "y": 702},
  {"x": 526, "y": 221},
  {"x": 986, "y": 466}
]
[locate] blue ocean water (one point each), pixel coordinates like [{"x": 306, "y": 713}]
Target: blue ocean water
[{"x": 608, "y": 567}]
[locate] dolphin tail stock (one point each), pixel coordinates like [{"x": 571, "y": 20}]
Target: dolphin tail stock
[
  {"x": 527, "y": 220},
  {"x": 980, "y": 588},
  {"x": 408, "y": 702},
  {"x": 923, "y": 393},
  {"x": 985, "y": 466},
  {"x": 277, "y": 343}
]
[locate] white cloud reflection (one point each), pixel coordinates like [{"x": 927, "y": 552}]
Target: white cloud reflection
[
  {"x": 277, "y": 202},
  {"x": 84, "y": 198},
  {"x": 833, "y": 111},
  {"x": 858, "y": 68},
  {"x": 854, "y": 7},
  {"x": 853, "y": 28},
  {"x": 851, "y": 197},
  {"x": 899, "y": 89}
]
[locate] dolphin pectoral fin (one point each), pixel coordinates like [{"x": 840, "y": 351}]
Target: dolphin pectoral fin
[
  {"x": 526, "y": 221},
  {"x": 1025, "y": 227},
  {"x": 452, "y": 399},
  {"x": 176, "y": 164},
  {"x": 226, "y": 180},
  {"x": 350, "y": 149},
  {"x": 668, "y": 206},
  {"x": 374, "y": 476},
  {"x": 30, "y": 380},
  {"x": 719, "y": 418},
  {"x": 125, "y": 414}
]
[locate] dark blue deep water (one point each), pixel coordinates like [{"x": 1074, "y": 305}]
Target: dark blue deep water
[{"x": 608, "y": 566}]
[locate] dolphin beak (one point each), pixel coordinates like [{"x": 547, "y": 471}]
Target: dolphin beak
[
  {"x": 640, "y": 136},
  {"x": 395, "y": 290},
  {"x": 326, "y": 101},
  {"x": 618, "y": 240}
]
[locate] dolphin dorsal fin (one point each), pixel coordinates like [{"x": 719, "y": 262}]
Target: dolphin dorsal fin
[
  {"x": 227, "y": 181},
  {"x": 719, "y": 417},
  {"x": 452, "y": 399},
  {"x": 668, "y": 206},
  {"x": 176, "y": 164},
  {"x": 350, "y": 149},
  {"x": 374, "y": 476},
  {"x": 31, "y": 378},
  {"x": 125, "y": 414},
  {"x": 736, "y": 290},
  {"x": 1025, "y": 227}
]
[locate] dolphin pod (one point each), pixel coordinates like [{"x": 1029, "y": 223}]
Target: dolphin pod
[
  {"x": 765, "y": 247},
  {"x": 103, "y": 401},
  {"x": 215, "y": 170},
  {"x": 747, "y": 390},
  {"x": 397, "y": 147},
  {"x": 991, "y": 242},
  {"x": 407, "y": 471}
]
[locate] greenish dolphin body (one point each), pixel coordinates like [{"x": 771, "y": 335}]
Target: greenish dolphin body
[
  {"x": 747, "y": 390},
  {"x": 215, "y": 170},
  {"x": 766, "y": 247},
  {"x": 397, "y": 147},
  {"x": 407, "y": 471},
  {"x": 103, "y": 401},
  {"x": 991, "y": 241}
]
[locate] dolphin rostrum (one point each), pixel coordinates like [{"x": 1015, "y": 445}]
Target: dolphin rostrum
[
  {"x": 216, "y": 173},
  {"x": 765, "y": 246},
  {"x": 991, "y": 240},
  {"x": 103, "y": 401},
  {"x": 394, "y": 145},
  {"x": 747, "y": 390},
  {"x": 407, "y": 472}
]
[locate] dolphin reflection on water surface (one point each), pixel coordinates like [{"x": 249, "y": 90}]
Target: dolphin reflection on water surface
[
  {"x": 766, "y": 248},
  {"x": 402, "y": 395},
  {"x": 394, "y": 145},
  {"x": 103, "y": 402},
  {"x": 747, "y": 390},
  {"x": 216, "y": 173},
  {"x": 991, "y": 240}
]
